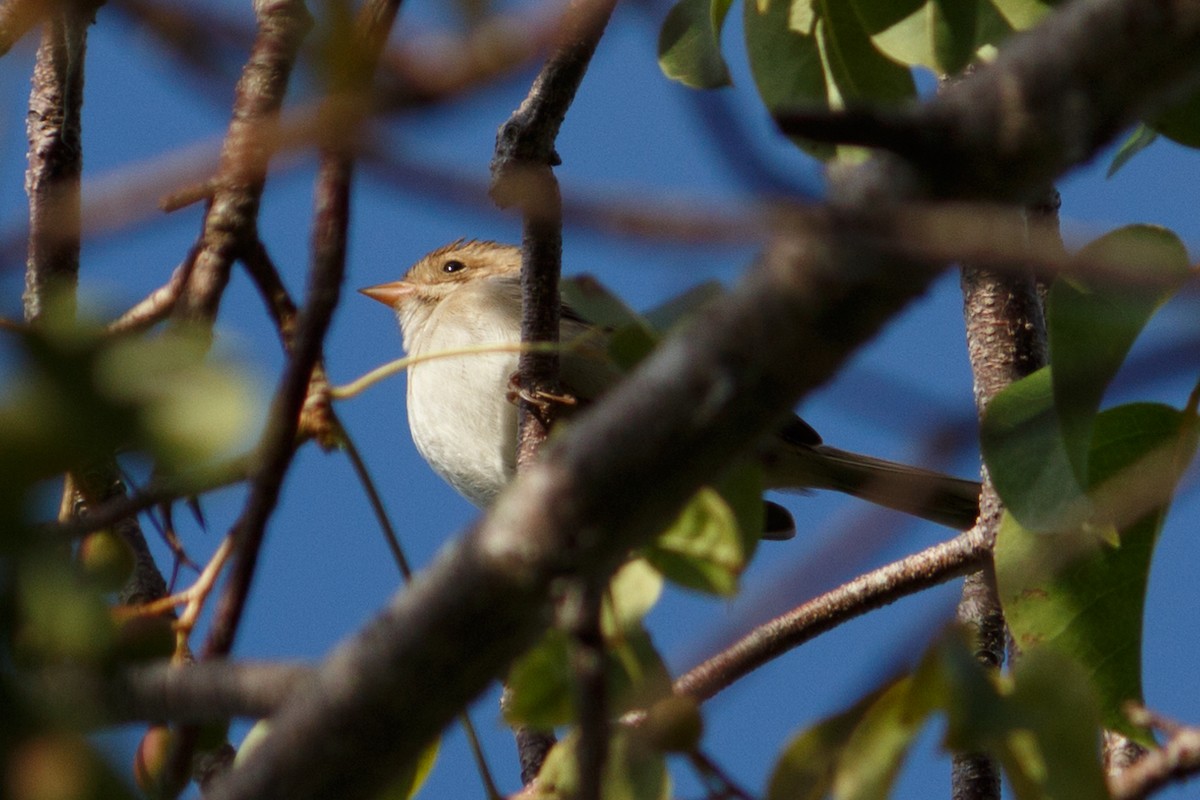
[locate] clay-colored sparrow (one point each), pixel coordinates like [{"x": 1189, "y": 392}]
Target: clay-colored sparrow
[{"x": 467, "y": 294}]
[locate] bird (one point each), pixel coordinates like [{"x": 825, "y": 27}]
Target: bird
[{"x": 463, "y": 419}]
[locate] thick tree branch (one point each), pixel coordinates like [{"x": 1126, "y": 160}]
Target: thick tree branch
[
  {"x": 203, "y": 692},
  {"x": 704, "y": 397}
]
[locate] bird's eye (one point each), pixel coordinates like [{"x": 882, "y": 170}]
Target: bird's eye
[{"x": 453, "y": 265}]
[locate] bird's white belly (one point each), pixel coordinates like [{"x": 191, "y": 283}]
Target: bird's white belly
[{"x": 460, "y": 417}]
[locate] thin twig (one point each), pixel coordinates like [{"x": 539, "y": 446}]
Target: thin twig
[
  {"x": 157, "y": 305},
  {"x": 877, "y": 588},
  {"x": 376, "y": 501},
  {"x": 231, "y": 219},
  {"x": 117, "y": 507},
  {"x": 580, "y": 613},
  {"x": 522, "y": 174},
  {"x": 277, "y": 445},
  {"x": 1174, "y": 762}
]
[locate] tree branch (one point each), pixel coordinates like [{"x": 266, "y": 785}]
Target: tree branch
[
  {"x": 1006, "y": 340},
  {"x": 875, "y": 589},
  {"x": 203, "y": 692},
  {"x": 231, "y": 220},
  {"x": 522, "y": 174}
]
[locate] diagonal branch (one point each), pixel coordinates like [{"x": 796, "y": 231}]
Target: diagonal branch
[{"x": 875, "y": 589}]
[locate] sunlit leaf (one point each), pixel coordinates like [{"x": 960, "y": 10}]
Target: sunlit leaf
[
  {"x": 60, "y": 619},
  {"x": 632, "y": 592},
  {"x": 683, "y": 307},
  {"x": 539, "y": 684},
  {"x": 1021, "y": 721},
  {"x": 703, "y": 549},
  {"x": 1142, "y": 137},
  {"x": 786, "y": 65},
  {"x": 631, "y": 771},
  {"x": 637, "y": 675},
  {"x": 801, "y": 17},
  {"x": 1023, "y": 14},
  {"x": 1092, "y": 326},
  {"x": 195, "y": 415},
  {"x": 876, "y": 749},
  {"x": 413, "y": 778},
  {"x": 938, "y": 34},
  {"x": 858, "y": 70},
  {"x": 593, "y": 302},
  {"x": 689, "y": 44},
  {"x": 808, "y": 765}
]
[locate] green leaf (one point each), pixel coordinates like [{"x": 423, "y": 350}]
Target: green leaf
[
  {"x": 637, "y": 675},
  {"x": 192, "y": 408},
  {"x": 1051, "y": 747},
  {"x": 1082, "y": 596},
  {"x": 786, "y": 65},
  {"x": 689, "y": 44},
  {"x": 873, "y": 755},
  {"x": 1023, "y": 14},
  {"x": 593, "y": 302},
  {"x": 1142, "y": 137},
  {"x": 631, "y": 771},
  {"x": 631, "y": 594},
  {"x": 1092, "y": 326},
  {"x": 703, "y": 549},
  {"x": 411, "y": 779},
  {"x": 858, "y": 70},
  {"x": 1023, "y": 448},
  {"x": 683, "y": 307},
  {"x": 1181, "y": 123},
  {"x": 541, "y": 683},
  {"x": 1041, "y": 725},
  {"x": 808, "y": 766},
  {"x": 938, "y": 34},
  {"x": 60, "y": 619},
  {"x": 627, "y": 346}
]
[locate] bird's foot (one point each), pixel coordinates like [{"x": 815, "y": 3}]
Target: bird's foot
[{"x": 542, "y": 400}]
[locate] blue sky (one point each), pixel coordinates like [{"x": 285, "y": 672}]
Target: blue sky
[{"x": 631, "y": 135}]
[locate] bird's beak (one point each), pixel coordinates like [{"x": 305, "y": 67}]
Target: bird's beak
[{"x": 389, "y": 293}]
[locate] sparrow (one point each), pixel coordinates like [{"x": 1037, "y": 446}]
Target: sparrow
[{"x": 467, "y": 295}]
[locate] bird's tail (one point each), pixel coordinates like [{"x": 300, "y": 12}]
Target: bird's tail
[{"x": 939, "y": 498}]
